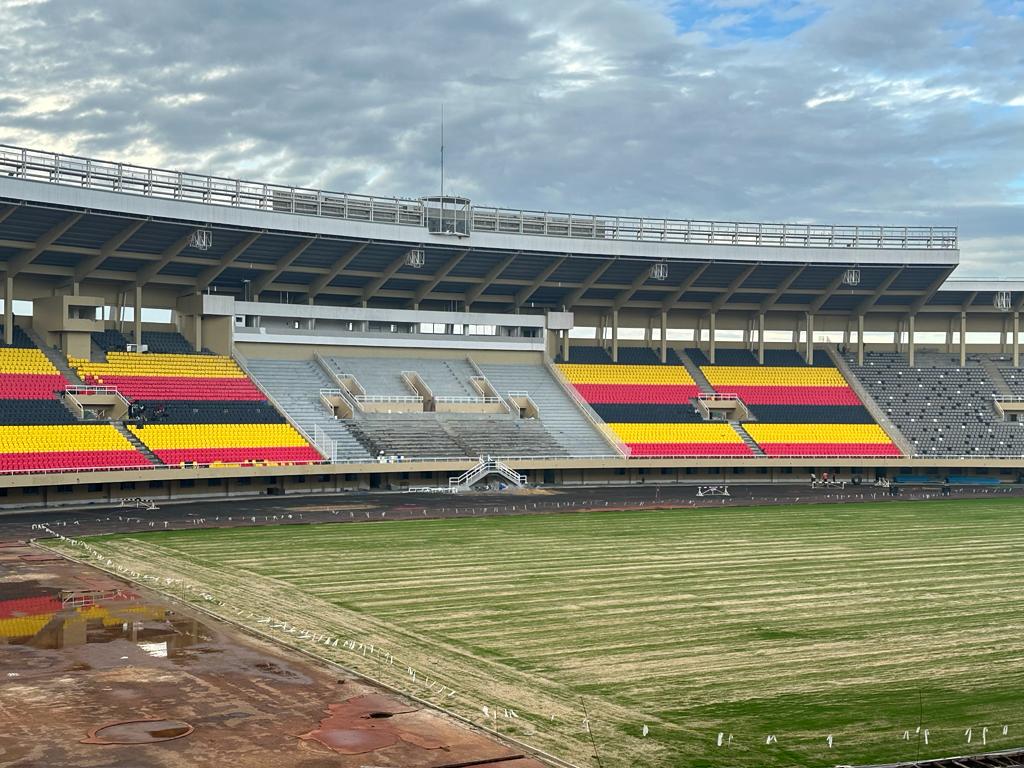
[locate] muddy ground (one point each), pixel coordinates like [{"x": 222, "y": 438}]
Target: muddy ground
[{"x": 81, "y": 652}]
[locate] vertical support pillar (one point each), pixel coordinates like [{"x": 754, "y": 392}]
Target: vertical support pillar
[
  {"x": 8, "y": 309},
  {"x": 565, "y": 346},
  {"x": 760, "y": 338},
  {"x": 711, "y": 338},
  {"x": 137, "y": 317},
  {"x": 698, "y": 340},
  {"x": 1002, "y": 335},
  {"x": 860, "y": 339},
  {"x": 949, "y": 337},
  {"x": 197, "y": 333},
  {"x": 846, "y": 335},
  {"x": 809, "y": 345},
  {"x": 664, "y": 337},
  {"x": 1016, "y": 340},
  {"x": 796, "y": 334},
  {"x": 963, "y": 339},
  {"x": 615, "y": 335},
  {"x": 910, "y": 339},
  {"x": 649, "y": 333}
]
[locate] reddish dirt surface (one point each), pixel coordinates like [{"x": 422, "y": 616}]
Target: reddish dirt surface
[{"x": 70, "y": 671}]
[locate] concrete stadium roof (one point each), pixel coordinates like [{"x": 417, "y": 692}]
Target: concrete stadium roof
[{"x": 80, "y": 224}]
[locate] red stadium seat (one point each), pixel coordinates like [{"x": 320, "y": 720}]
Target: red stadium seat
[
  {"x": 183, "y": 388},
  {"x": 286, "y": 454},
  {"x": 647, "y": 394},
  {"x": 56, "y": 460},
  {"x": 768, "y": 395},
  {"x": 689, "y": 449},
  {"x": 853, "y": 450}
]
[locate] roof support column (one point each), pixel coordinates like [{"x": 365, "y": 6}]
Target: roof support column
[
  {"x": 1016, "y": 339},
  {"x": 565, "y": 346},
  {"x": 1002, "y": 336},
  {"x": 963, "y": 339},
  {"x": 711, "y": 337},
  {"x": 860, "y": 339},
  {"x": 649, "y": 333},
  {"x": 796, "y": 334},
  {"x": 664, "y": 337},
  {"x": 137, "y": 316},
  {"x": 760, "y": 338},
  {"x": 949, "y": 336},
  {"x": 8, "y": 309},
  {"x": 698, "y": 334},
  {"x": 809, "y": 341},
  {"x": 910, "y": 339},
  {"x": 615, "y": 335}
]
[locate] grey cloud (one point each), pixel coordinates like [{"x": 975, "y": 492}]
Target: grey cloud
[{"x": 592, "y": 106}]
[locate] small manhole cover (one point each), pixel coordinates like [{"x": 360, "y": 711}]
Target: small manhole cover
[{"x": 139, "y": 732}]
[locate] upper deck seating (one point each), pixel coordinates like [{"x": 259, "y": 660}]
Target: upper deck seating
[
  {"x": 199, "y": 408},
  {"x": 798, "y": 409},
  {"x": 941, "y": 408},
  {"x": 649, "y": 406},
  {"x": 37, "y": 433}
]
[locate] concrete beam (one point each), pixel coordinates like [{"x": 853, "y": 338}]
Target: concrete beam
[
  {"x": 587, "y": 284},
  {"x": 320, "y": 283},
  {"x": 523, "y": 294},
  {"x": 669, "y": 301},
  {"x": 23, "y": 259},
  {"x": 475, "y": 291},
  {"x": 214, "y": 271},
  {"x": 150, "y": 271},
  {"x": 424, "y": 290},
  {"x": 280, "y": 266}
]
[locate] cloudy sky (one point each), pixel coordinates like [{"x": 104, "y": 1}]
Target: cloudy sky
[{"x": 836, "y": 111}]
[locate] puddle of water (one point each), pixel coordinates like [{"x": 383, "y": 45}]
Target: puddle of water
[
  {"x": 39, "y": 616},
  {"x": 139, "y": 732}
]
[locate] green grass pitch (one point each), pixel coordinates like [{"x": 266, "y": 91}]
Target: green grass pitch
[{"x": 859, "y": 621}]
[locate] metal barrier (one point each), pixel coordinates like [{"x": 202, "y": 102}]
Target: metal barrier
[
  {"x": 584, "y": 407},
  {"x": 126, "y": 178}
]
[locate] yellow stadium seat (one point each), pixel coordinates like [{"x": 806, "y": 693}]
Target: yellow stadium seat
[
  {"x": 769, "y": 376},
  {"x": 581, "y": 373},
  {"x": 816, "y": 433},
  {"x": 707, "y": 432},
  {"x": 174, "y": 436}
]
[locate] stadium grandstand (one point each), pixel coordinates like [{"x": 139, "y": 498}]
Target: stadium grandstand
[{"x": 169, "y": 334}]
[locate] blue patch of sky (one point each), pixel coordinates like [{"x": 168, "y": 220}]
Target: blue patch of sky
[
  {"x": 770, "y": 20},
  {"x": 1006, "y": 7}
]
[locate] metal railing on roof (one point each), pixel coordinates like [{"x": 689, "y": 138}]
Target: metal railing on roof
[{"x": 127, "y": 178}]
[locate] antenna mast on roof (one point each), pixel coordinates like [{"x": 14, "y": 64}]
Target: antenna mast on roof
[{"x": 442, "y": 149}]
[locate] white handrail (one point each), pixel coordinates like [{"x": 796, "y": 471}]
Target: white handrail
[
  {"x": 481, "y": 376},
  {"x": 389, "y": 398},
  {"x": 584, "y": 407},
  {"x": 127, "y": 178},
  {"x": 243, "y": 363}
]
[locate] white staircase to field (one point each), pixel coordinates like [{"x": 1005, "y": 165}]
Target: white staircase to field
[{"x": 486, "y": 466}]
